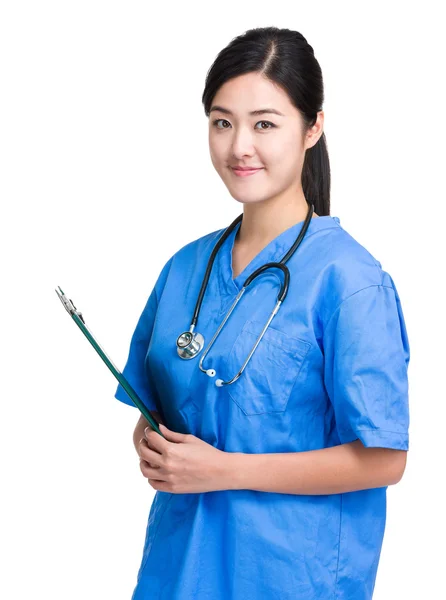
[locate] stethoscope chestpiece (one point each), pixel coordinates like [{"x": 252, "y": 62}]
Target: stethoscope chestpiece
[{"x": 189, "y": 344}]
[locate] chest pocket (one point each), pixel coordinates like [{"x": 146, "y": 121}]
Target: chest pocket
[{"x": 266, "y": 383}]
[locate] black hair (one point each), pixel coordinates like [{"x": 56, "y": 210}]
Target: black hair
[{"x": 285, "y": 57}]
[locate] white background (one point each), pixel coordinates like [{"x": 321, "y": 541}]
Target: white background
[{"x": 105, "y": 173}]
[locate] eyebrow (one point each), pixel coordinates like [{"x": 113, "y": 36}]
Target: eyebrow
[{"x": 261, "y": 111}]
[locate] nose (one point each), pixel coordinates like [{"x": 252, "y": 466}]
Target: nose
[{"x": 242, "y": 143}]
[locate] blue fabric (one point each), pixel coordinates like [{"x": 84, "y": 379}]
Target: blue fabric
[{"x": 331, "y": 368}]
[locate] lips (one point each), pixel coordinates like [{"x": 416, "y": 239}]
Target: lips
[
  {"x": 239, "y": 170},
  {"x": 247, "y": 168},
  {"x": 243, "y": 174}
]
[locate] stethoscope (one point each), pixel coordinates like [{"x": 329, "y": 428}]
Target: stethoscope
[{"x": 189, "y": 344}]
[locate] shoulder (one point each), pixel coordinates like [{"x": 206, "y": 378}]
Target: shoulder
[
  {"x": 200, "y": 244},
  {"x": 189, "y": 253},
  {"x": 349, "y": 265},
  {"x": 347, "y": 268},
  {"x": 197, "y": 247}
]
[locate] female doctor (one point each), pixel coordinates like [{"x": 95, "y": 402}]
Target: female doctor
[{"x": 271, "y": 484}]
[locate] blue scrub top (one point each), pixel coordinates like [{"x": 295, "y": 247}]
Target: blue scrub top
[{"x": 331, "y": 368}]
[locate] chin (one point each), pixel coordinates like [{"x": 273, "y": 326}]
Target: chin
[{"x": 245, "y": 199}]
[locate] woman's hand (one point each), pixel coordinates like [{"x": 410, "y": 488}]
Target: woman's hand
[
  {"x": 138, "y": 435},
  {"x": 181, "y": 463}
]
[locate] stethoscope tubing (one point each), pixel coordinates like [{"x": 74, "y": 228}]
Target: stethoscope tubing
[{"x": 191, "y": 344}]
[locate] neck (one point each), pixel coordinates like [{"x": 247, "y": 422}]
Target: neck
[{"x": 263, "y": 221}]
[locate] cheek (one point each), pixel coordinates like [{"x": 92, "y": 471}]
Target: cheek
[
  {"x": 292, "y": 151},
  {"x": 281, "y": 147},
  {"x": 216, "y": 157},
  {"x": 217, "y": 153},
  {"x": 283, "y": 163}
]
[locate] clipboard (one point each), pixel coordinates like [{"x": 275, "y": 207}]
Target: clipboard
[{"x": 80, "y": 322}]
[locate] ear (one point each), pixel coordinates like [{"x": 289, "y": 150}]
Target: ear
[{"x": 314, "y": 133}]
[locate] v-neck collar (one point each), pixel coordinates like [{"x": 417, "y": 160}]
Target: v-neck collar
[{"x": 272, "y": 252}]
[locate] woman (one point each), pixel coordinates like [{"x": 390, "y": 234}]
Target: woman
[{"x": 274, "y": 485}]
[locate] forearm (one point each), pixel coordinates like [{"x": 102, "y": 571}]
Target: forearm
[{"x": 344, "y": 468}]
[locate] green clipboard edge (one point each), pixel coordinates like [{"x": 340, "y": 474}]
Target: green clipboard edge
[{"x": 78, "y": 319}]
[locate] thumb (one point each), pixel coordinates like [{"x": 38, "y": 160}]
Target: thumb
[{"x": 172, "y": 436}]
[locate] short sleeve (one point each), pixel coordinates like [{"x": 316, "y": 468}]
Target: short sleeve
[
  {"x": 366, "y": 354},
  {"x": 134, "y": 369}
]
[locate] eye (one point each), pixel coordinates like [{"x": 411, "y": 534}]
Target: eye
[{"x": 271, "y": 125}]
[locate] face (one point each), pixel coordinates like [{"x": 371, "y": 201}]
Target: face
[{"x": 274, "y": 142}]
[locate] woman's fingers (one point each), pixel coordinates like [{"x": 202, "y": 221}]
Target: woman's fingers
[
  {"x": 148, "y": 471},
  {"x": 143, "y": 444}
]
